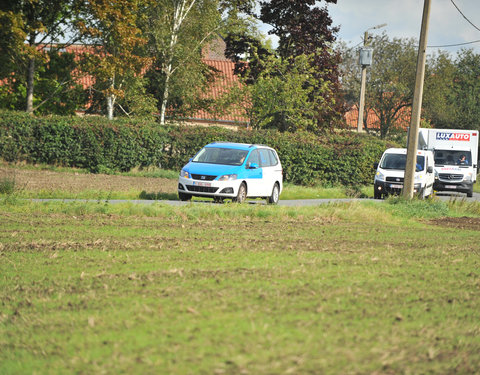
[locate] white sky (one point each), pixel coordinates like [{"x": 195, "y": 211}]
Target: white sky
[{"x": 404, "y": 18}]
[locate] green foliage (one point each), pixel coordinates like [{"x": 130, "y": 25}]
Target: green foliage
[{"x": 101, "y": 146}]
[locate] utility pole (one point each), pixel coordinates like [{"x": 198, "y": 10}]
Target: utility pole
[
  {"x": 364, "y": 60},
  {"x": 408, "y": 185}
]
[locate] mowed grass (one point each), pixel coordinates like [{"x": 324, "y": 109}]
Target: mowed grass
[{"x": 239, "y": 289}]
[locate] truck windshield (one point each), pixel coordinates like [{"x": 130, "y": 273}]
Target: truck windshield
[
  {"x": 453, "y": 157},
  {"x": 218, "y": 155},
  {"x": 398, "y": 161}
]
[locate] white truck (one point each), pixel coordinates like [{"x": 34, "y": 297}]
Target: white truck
[
  {"x": 456, "y": 154},
  {"x": 391, "y": 170}
]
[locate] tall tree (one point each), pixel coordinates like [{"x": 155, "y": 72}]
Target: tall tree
[
  {"x": 115, "y": 57},
  {"x": 27, "y": 27},
  {"x": 178, "y": 30},
  {"x": 304, "y": 28}
]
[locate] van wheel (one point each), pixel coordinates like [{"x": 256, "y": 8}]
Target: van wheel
[
  {"x": 470, "y": 193},
  {"x": 273, "y": 199},
  {"x": 184, "y": 197},
  {"x": 377, "y": 195},
  {"x": 242, "y": 194}
]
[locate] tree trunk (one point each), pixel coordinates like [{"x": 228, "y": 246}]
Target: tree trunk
[
  {"x": 30, "y": 77},
  {"x": 163, "y": 109},
  {"x": 110, "y": 103}
]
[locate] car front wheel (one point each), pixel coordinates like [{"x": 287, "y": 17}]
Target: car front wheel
[
  {"x": 273, "y": 199},
  {"x": 242, "y": 194}
]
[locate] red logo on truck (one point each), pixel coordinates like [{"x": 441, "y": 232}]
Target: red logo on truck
[{"x": 451, "y": 136}]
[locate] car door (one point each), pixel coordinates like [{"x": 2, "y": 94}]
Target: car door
[
  {"x": 254, "y": 174},
  {"x": 270, "y": 170}
]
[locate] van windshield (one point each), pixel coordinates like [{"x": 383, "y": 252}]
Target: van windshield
[
  {"x": 398, "y": 161},
  {"x": 218, "y": 155},
  {"x": 452, "y": 157}
]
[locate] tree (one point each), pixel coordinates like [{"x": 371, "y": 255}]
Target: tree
[
  {"x": 306, "y": 29},
  {"x": 115, "y": 59},
  {"x": 390, "y": 80},
  {"x": 280, "y": 96},
  {"x": 27, "y": 27},
  {"x": 466, "y": 91},
  {"x": 177, "y": 31}
]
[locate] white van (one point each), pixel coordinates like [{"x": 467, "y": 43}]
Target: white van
[
  {"x": 391, "y": 170},
  {"x": 456, "y": 154}
]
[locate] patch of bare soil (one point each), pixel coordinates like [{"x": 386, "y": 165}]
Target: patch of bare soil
[
  {"x": 471, "y": 223},
  {"x": 77, "y": 182}
]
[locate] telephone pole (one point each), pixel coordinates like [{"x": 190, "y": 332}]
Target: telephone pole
[
  {"x": 408, "y": 184},
  {"x": 364, "y": 60}
]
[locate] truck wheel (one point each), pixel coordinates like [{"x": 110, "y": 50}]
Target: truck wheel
[
  {"x": 184, "y": 197},
  {"x": 470, "y": 193}
]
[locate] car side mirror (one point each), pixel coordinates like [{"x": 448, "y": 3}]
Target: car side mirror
[
  {"x": 189, "y": 160},
  {"x": 252, "y": 165},
  {"x": 430, "y": 169}
]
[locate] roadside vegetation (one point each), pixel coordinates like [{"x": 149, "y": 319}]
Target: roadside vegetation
[{"x": 340, "y": 288}]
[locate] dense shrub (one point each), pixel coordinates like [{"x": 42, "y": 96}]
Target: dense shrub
[{"x": 100, "y": 146}]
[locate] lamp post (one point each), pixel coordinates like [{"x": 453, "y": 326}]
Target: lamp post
[{"x": 365, "y": 60}]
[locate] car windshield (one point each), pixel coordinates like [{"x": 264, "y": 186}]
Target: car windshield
[
  {"x": 453, "y": 157},
  {"x": 219, "y": 155},
  {"x": 398, "y": 161}
]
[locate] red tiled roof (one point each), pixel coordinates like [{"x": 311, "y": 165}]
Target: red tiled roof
[{"x": 373, "y": 122}]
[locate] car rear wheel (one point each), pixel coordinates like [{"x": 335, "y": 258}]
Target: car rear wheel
[
  {"x": 242, "y": 194},
  {"x": 273, "y": 199},
  {"x": 184, "y": 197}
]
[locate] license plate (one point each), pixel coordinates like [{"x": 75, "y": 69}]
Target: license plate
[
  {"x": 450, "y": 186},
  {"x": 394, "y": 186},
  {"x": 206, "y": 184}
]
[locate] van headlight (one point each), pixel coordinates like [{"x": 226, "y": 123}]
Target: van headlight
[
  {"x": 418, "y": 177},
  {"x": 468, "y": 177},
  {"x": 379, "y": 176},
  {"x": 227, "y": 177},
  {"x": 184, "y": 173}
]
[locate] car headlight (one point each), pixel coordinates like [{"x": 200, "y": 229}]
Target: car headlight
[
  {"x": 184, "y": 173},
  {"x": 379, "y": 176},
  {"x": 227, "y": 177}
]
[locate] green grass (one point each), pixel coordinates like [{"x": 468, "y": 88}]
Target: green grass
[{"x": 238, "y": 289}]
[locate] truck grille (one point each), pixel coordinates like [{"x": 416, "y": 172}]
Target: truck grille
[
  {"x": 394, "y": 179},
  {"x": 450, "y": 177},
  {"x": 202, "y": 189},
  {"x": 203, "y": 177}
]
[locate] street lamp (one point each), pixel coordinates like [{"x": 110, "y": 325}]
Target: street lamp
[{"x": 365, "y": 59}]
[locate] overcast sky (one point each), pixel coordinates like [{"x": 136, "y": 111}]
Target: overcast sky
[{"x": 404, "y": 17}]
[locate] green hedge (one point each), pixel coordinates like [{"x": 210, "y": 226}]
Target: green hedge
[{"x": 100, "y": 145}]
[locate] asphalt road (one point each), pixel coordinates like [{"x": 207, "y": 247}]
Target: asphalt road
[{"x": 289, "y": 203}]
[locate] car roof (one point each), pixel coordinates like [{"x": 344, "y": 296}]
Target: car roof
[{"x": 237, "y": 146}]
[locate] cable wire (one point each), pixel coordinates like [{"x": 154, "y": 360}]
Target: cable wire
[
  {"x": 459, "y": 11},
  {"x": 455, "y": 45}
]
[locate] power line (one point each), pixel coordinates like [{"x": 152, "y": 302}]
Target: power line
[
  {"x": 455, "y": 45},
  {"x": 459, "y": 11}
]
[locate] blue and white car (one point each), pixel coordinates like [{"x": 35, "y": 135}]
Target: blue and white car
[{"x": 235, "y": 171}]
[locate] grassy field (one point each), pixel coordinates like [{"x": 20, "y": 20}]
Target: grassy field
[
  {"x": 391, "y": 288},
  {"x": 45, "y": 181}
]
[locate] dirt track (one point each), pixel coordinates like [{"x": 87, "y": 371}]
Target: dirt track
[{"x": 76, "y": 182}]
